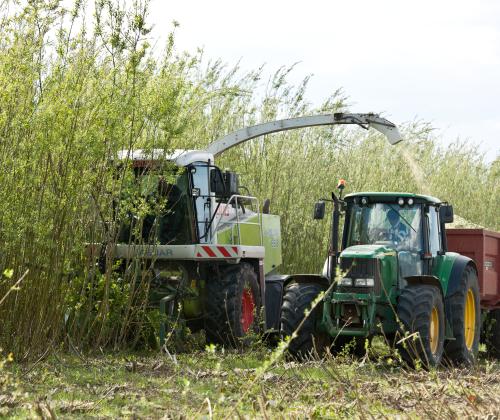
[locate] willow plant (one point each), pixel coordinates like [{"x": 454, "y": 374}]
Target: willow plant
[{"x": 75, "y": 90}]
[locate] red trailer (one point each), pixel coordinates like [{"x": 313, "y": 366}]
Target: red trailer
[{"x": 483, "y": 246}]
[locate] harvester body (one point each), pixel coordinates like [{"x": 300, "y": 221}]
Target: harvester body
[{"x": 202, "y": 248}]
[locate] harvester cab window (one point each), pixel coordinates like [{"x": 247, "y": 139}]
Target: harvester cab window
[{"x": 154, "y": 207}]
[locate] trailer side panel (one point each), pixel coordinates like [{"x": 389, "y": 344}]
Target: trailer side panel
[{"x": 483, "y": 246}]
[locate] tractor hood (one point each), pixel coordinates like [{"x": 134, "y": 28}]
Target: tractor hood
[{"x": 367, "y": 251}]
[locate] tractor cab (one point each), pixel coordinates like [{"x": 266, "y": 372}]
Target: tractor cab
[{"x": 405, "y": 225}]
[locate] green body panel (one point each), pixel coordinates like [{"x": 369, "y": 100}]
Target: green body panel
[
  {"x": 271, "y": 228},
  {"x": 388, "y": 267},
  {"x": 374, "y": 309},
  {"x": 250, "y": 235},
  {"x": 441, "y": 268},
  {"x": 378, "y": 311}
]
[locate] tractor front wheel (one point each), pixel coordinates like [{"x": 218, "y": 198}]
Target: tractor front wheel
[
  {"x": 463, "y": 311},
  {"x": 233, "y": 306},
  {"x": 297, "y": 299},
  {"x": 421, "y": 313}
]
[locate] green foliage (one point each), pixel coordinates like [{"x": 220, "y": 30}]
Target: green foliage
[{"x": 73, "y": 94}]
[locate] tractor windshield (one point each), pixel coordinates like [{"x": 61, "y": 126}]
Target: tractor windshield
[
  {"x": 387, "y": 224},
  {"x": 155, "y": 207}
]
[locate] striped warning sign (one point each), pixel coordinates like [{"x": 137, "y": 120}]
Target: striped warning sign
[{"x": 217, "y": 251}]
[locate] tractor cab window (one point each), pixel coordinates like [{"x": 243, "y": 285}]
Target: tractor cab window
[
  {"x": 433, "y": 230},
  {"x": 154, "y": 206},
  {"x": 386, "y": 224}
]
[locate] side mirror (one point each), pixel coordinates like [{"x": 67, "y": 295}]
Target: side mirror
[
  {"x": 319, "y": 210},
  {"x": 446, "y": 213}
]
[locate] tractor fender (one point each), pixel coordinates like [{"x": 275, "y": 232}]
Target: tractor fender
[
  {"x": 424, "y": 279},
  {"x": 307, "y": 278},
  {"x": 459, "y": 265}
]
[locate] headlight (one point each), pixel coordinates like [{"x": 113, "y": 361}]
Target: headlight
[
  {"x": 364, "y": 282},
  {"x": 401, "y": 201},
  {"x": 410, "y": 201},
  {"x": 345, "y": 281}
]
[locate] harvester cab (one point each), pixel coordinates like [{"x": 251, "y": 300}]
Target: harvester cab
[{"x": 204, "y": 250}]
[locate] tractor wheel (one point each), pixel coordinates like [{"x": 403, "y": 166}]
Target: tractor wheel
[
  {"x": 464, "y": 313},
  {"x": 421, "y": 310},
  {"x": 492, "y": 333},
  {"x": 297, "y": 299},
  {"x": 233, "y": 306}
]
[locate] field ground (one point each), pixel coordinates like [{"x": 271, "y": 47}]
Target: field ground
[{"x": 216, "y": 384}]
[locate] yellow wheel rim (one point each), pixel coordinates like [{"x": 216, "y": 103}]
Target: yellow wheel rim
[
  {"x": 434, "y": 330},
  {"x": 469, "y": 319}
]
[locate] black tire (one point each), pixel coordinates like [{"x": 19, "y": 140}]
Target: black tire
[
  {"x": 415, "y": 309},
  {"x": 463, "y": 349},
  {"x": 224, "y": 305},
  {"x": 297, "y": 298},
  {"x": 492, "y": 333}
]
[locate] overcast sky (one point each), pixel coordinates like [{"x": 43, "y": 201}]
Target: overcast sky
[{"x": 438, "y": 61}]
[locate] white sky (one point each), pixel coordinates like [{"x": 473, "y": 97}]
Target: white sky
[{"x": 438, "y": 61}]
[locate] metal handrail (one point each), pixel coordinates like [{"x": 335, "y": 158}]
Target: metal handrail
[{"x": 234, "y": 198}]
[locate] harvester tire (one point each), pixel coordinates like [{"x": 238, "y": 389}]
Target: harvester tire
[
  {"x": 233, "y": 306},
  {"x": 464, "y": 313},
  {"x": 492, "y": 333},
  {"x": 421, "y": 313},
  {"x": 298, "y": 298}
]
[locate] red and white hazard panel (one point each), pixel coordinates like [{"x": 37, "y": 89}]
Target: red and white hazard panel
[{"x": 217, "y": 251}]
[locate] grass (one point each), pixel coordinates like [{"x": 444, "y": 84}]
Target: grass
[{"x": 219, "y": 385}]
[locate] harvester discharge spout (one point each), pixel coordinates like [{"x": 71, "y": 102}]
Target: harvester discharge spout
[{"x": 380, "y": 124}]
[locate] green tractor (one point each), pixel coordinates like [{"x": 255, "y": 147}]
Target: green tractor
[
  {"x": 206, "y": 253},
  {"x": 394, "y": 277}
]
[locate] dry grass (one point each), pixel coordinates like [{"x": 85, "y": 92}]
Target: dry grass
[{"x": 208, "y": 384}]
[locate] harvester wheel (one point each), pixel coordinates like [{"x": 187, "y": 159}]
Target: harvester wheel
[
  {"x": 233, "y": 306},
  {"x": 463, "y": 311},
  {"x": 492, "y": 333},
  {"x": 297, "y": 299},
  {"x": 421, "y": 312}
]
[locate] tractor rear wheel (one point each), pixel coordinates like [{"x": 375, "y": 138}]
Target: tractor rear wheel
[
  {"x": 463, "y": 311},
  {"x": 297, "y": 299},
  {"x": 233, "y": 306},
  {"x": 421, "y": 312},
  {"x": 492, "y": 333}
]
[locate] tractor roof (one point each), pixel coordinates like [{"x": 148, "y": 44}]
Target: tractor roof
[{"x": 384, "y": 196}]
